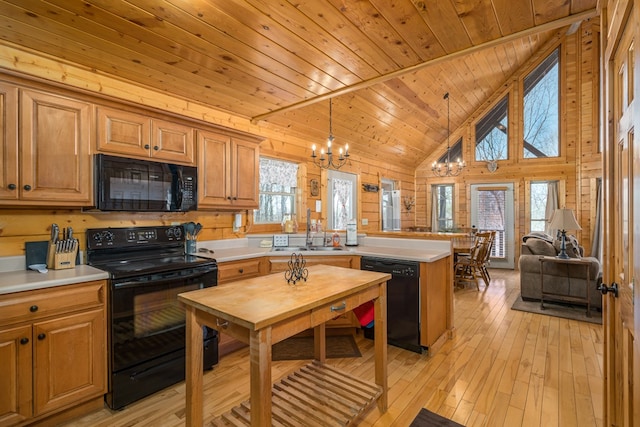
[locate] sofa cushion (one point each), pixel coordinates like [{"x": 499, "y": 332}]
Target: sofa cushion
[{"x": 540, "y": 247}]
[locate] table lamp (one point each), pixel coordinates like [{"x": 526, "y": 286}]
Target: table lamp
[{"x": 563, "y": 219}]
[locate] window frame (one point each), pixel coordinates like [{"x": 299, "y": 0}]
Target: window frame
[
  {"x": 435, "y": 207},
  {"x": 292, "y": 195}
]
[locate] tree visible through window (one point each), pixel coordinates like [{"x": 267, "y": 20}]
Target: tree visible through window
[
  {"x": 541, "y": 108},
  {"x": 492, "y": 135},
  {"x": 278, "y": 181},
  {"x": 443, "y": 207},
  {"x": 539, "y": 191},
  {"x": 342, "y": 199}
]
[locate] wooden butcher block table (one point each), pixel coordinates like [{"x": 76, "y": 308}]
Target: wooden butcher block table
[{"x": 264, "y": 310}]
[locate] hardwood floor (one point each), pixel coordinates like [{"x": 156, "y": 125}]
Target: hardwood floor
[{"x": 503, "y": 368}]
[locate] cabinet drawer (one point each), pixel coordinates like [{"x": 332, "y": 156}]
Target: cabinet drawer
[
  {"x": 336, "y": 309},
  {"x": 36, "y": 304},
  {"x": 236, "y": 270}
]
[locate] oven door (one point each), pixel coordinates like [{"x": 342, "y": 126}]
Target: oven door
[{"x": 147, "y": 321}]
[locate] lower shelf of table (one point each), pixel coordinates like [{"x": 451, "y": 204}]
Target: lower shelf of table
[{"x": 315, "y": 395}]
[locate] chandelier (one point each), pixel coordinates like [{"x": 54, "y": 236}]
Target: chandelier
[
  {"x": 448, "y": 168},
  {"x": 328, "y": 161}
]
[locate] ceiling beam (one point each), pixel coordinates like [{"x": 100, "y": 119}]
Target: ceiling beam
[{"x": 558, "y": 23}]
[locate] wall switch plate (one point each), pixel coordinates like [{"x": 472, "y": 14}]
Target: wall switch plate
[
  {"x": 318, "y": 206},
  {"x": 365, "y": 221},
  {"x": 280, "y": 240}
]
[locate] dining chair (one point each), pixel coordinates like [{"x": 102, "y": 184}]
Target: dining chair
[{"x": 471, "y": 268}]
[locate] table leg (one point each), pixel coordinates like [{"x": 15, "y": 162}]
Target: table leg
[
  {"x": 320, "y": 343},
  {"x": 194, "y": 368},
  {"x": 380, "y": 344},
  {"x": 260, "y": 372}
]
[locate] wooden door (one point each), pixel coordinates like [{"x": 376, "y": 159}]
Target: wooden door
[
  {"x": 55, "y": 137},
  {"x": 69, "y": 360},
  {"x": 15, "y": 375},
  {"x": 124, "y": 133},
  {"x": 621, "y": 213}
]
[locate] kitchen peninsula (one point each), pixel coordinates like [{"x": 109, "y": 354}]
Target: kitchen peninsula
[{"x": 270, "y": 310}]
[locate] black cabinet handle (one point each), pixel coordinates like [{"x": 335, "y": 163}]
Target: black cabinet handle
[
  {"x": 33, "y": 308},
  {"x": 41, "y": 336},
  {"x": 155, "y": 147},
  {"x": 24, "y": 341},
  {"x": 11, "y": 186},
  {"x": 146, "y": 146},
  {"x": 27, "y": 187},
  {"x": 241, "y": 270}
]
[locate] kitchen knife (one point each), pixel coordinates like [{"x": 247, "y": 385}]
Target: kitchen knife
[{"x": 55, "y": 230}]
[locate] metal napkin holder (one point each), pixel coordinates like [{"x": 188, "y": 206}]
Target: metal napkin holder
[{"x": 297, "y": 269}]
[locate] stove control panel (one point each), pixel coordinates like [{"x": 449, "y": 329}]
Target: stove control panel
[{"x": 103, "y": 238}]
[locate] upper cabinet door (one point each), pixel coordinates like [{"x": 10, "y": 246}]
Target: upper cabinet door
[
  {"x": 246, "y": 171},
  {"x": 172, "y": 142},
  {"x": 214, "y": 170},
  {"x": 9, "y": 178},
  {"x": 55, "y": 138},
  {"x": 122, "y": 132},
  {"x": 139, "y": 136}
]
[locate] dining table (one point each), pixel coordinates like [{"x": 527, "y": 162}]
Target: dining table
[{"x": 265, "y": 310}]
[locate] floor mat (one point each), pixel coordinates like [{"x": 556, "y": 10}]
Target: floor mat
[
  {"x": 566, "y": 311},
  {"x": 299, "y": 348}
]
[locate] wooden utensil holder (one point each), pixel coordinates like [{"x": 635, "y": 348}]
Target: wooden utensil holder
[{"x": 61, "y": 260}]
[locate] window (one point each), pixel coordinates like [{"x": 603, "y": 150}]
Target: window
[
  {"x": 455, "y": 153},
  {"x": 539, "y": 192},
  {"x": 541, "y": 109},
  {"x": 278, "y": 181},
  {"x": 342, "y": 199},
  {"x": 442, "y": 207},
  {"x": 492, "y": 133}
]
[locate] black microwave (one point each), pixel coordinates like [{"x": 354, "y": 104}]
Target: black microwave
[{"x": 144, "y": 186}]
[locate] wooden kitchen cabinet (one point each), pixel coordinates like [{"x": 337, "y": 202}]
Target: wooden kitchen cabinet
[
  {"x": 280, "y": 263},
  {"x": 52, "y": 352},
  {"x": 140, "y": 136},
  {"x": 33, "y": 172},
  {"x": 235, "y": 270},
  {"x": 228, "y": 171}
]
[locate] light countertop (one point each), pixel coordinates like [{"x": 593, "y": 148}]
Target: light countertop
[{"x": 26, "y": 280}]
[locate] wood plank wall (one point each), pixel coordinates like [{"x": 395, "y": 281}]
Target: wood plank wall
[{"x": 577, "y": 169}]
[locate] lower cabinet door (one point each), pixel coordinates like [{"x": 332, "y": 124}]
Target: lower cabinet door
[
  {"x": 70, "y": 360},
  {"x": 15, "y": 375}
]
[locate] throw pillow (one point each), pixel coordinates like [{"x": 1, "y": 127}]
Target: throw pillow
[
  {"x": 572, "y": 251},
  {"x": 540, "y": 247}
]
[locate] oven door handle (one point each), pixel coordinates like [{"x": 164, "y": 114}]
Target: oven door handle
[{"x": 144, "y": 281}]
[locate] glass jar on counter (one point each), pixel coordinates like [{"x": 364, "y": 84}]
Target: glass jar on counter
[{"x": 289, "y": 224}]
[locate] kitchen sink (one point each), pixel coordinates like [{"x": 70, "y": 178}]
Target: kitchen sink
[
  {"x": 288, "y": 249},
  {"x": 326, "y": 248}
]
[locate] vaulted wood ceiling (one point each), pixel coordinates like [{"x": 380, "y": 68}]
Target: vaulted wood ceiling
[{"x": 385, "y": 63}]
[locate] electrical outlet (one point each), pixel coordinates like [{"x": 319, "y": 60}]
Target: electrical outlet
[{"x": 365, "y": 221}]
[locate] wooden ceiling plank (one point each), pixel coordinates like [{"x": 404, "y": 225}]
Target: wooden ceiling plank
[
  {"x": 271, "y": 38},
  {"x": 479, "y": 20},
  {"x": 513, "y": 15},
  {"x": 364, "y": 16},
  {"x": 171, "y": 66},
  {"x": 401, "y": 14},
  {"x": 442, "y": 19},
  {"x": 304, "y": 28},
  {"x": 545, "y": 11},
  {"x": 202, "y": 53},
  {"x": 554, "y": 24}
]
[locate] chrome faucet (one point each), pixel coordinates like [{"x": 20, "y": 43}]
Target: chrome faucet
[{"x": 309, "y": 238}]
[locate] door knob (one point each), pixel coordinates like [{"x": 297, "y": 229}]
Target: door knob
[{"x": 613, "y": 289}]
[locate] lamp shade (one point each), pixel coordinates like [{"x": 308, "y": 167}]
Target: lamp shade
[{"x": 564, "y": 219}]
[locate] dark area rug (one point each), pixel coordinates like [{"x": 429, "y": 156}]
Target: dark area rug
[
  {"x": 427, "y": 418},
  {"x": 557, "y": 309},
  {"x": 299, "y": 348}
]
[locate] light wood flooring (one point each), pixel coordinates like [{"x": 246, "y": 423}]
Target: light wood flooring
[{"x": 503, "y": 368}]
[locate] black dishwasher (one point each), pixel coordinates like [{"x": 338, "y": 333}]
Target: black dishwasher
[{"x": 403, "y": 301}]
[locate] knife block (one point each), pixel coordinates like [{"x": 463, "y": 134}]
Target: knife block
[{"x": 61, "y": 260}]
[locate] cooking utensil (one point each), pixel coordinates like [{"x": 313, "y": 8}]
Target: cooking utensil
[
  {"x": 189, "y": 228},
  {"x": 196, "y": 230}
]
